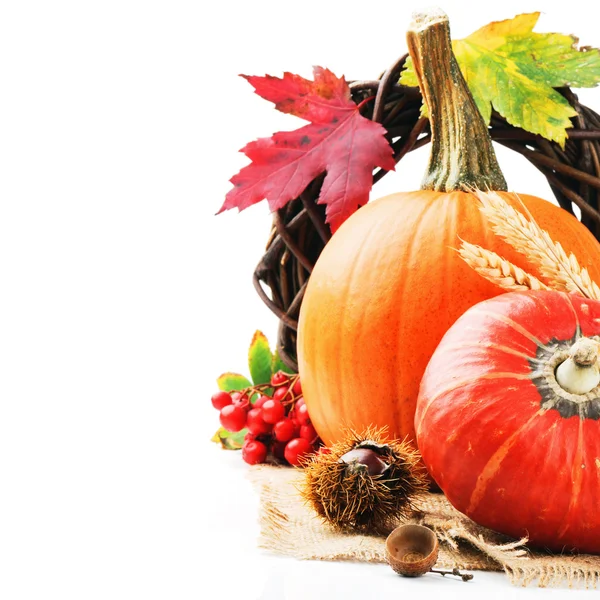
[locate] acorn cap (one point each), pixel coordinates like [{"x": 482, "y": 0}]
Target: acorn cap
[{"x": 411, "y": 550}]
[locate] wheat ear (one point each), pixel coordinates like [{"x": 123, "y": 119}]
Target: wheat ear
[
  {"x": 496, "y": 269},
  {"x": 562, "y": 272}
]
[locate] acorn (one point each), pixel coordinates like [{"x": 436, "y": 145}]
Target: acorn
[
  {"x": 365, "y": 482},
  {"x": 411, "y": 550}
]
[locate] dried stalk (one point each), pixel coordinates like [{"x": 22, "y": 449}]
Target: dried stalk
[
  {"x": 498, "y": 270},
  {"x": 561, "y": 271}
]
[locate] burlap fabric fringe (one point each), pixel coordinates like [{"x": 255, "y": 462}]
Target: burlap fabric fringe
[{"x": 289, "y": 527}]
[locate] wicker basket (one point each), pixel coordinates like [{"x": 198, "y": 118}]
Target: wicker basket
[{"x": 299, "y": 231}]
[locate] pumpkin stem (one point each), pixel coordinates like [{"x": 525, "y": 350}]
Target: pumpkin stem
[
  {"x": 462, "y": 156},
  {"x": 579, "y": 374}
]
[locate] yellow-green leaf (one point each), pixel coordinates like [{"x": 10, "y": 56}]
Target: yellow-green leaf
[
  {"x": 408, "y": 76},
  {"x": 231, "y": 382},
  {"x": 229, "y": 440},
  {"x": 260, "y": 359},
  {"x": 514, "y": 70}
]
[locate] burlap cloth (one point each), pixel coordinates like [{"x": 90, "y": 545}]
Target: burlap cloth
[{"x": 288, "y": 526}]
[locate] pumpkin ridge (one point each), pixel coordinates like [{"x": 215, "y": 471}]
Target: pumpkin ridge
[
  {"x": 454, "y": 209},
  {"x": 479, "y": 345},
  {"x": 494, "y": 463},
  {"x": 577, "y": 478},
  {"x": 553, "y": 445},
  {"x": 569, "y": 301},
  {"x": 473, "y": 379},
  {"x": 345, "y": 354},
  {"x": 407, "y": 420},
  {"x": 316, "y": 410},
  {"x": 513, "y": 324},
  {"x": 529, "y": 505},
  {"x": 592, "y": 447}
]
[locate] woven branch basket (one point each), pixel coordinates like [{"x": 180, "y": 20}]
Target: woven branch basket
[{"x": 299, "y": 232}]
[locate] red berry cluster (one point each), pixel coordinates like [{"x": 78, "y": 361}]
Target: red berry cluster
[{"x": 279, "y": 427}]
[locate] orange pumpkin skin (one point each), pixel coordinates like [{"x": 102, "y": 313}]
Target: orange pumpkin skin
[{"x": 386, "y": 288}]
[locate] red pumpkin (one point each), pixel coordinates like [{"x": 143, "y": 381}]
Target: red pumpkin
[{"x": 511, "y": 447}]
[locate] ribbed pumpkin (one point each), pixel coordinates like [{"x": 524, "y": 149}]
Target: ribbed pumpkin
[
  {"x": 508, "y": 417},
  {"x": 390, "y": 283}
]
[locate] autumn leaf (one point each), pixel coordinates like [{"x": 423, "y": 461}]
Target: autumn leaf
[
  {"x": 338, "y": 141},
  {"x": 260, "y": 359},
  {"x": 231, "y": 382},
  {"x": 515, "y": 71},
  {"x": 229, "y": 440}
]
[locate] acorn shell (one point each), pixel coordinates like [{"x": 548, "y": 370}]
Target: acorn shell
[{"x": 411, "y": 550}]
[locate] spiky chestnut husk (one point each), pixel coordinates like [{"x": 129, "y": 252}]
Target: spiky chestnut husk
[{"x": 365, "y": 483}]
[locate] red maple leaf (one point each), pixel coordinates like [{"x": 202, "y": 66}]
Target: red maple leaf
[{"x": 338, "y": 141}]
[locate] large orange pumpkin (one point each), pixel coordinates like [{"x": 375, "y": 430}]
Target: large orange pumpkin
[{"x": 390, "y": 283}]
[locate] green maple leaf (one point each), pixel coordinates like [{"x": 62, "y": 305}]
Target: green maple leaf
[{"x": 515, "y": 71}]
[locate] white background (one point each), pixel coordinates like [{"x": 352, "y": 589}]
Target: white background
[{"x": 122, "y": 296}]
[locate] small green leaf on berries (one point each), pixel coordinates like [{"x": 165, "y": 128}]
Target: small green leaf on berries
[
  {"x": 232, "y": 382},
  {"x": 228, "y": 440},
  {"x": 260, "y": 359}
]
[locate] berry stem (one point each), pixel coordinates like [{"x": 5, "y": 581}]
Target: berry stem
[{"x": 289, "y": 399}]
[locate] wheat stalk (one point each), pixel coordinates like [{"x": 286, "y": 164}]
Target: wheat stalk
[
  {"x": 498, "y": 270},
  {"x": 561, "y": 271}
]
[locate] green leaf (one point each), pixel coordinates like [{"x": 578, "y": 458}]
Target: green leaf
[
  {"x": 515, "y": 71},
  {"x": 229, "y": 440},
  {"x": 231, "y": 382},
  {"x": 408, "y": 76},
  {"x": 279, "y": 365},
  {"x": 260, "y": 359}
]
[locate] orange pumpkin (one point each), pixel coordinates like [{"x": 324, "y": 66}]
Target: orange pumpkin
[{"x": 390, "y": 283}]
